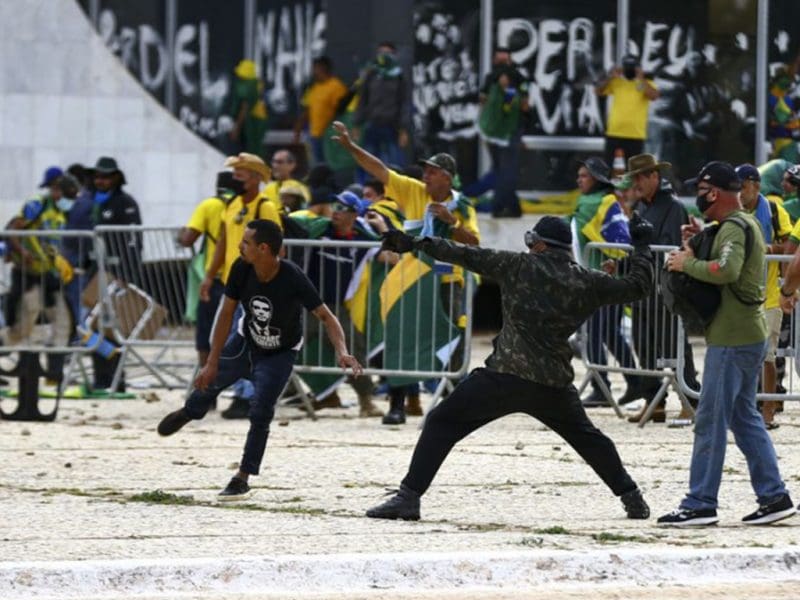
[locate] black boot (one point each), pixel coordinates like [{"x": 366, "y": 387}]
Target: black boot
[
  {"x": 239, "y": 409},
  {"x": 403, "y": 505},
  {"x": 397, "y": 407},
  {"x": 596, "y": 398},
  {"x": 635, "y": 506},
  {"x": 173, "y": 422}
]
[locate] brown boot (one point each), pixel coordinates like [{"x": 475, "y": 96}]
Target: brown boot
[
  {"x": 659, "y": 415},
  {"x": 367, "y": 409},
  {"x": 413, "y": 407}
]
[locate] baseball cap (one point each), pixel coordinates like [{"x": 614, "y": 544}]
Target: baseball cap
[
  {"x": 50, "y": 175},
  {"x": 441, "y": 161},
  {"x": 748, "y": 172},
  {"x": 350, "y": 200},
  {"x": 719, "y": 174},
  {"x": 793, "y": 174}
]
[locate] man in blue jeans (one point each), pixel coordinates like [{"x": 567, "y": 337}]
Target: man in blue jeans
[
  {"x": 736, "y": 347},
  {"x": 272, "y": 293}
]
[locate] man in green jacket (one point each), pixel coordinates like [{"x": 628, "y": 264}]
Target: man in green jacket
[{"x": 736, "y": 346}]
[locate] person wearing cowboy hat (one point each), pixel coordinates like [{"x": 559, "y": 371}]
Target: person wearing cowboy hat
[
  {"x": 249, "y": 173},
  {"x": 113, "y": 206},
  {"x": 654, "y": 328},
  {"x": 598, "y": 217}
]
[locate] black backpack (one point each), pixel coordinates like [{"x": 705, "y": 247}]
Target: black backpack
[{"x": 694, "y": 301}]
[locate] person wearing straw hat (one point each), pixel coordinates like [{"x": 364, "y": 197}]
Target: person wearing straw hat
[
  {"x": 654, "y": 328},
  {"x": 251, "y": 172}
]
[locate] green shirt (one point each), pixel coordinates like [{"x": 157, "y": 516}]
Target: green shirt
[
  {"x": 792, "y": 206},
  {"x": 736, "y": 323}
]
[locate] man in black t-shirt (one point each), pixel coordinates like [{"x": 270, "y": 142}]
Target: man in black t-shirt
[{"x": 273, "y": 293}]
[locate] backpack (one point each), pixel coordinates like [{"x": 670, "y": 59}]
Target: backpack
[{"x": 694, "y": 301}]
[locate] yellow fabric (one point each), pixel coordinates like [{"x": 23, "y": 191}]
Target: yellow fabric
[
  {"x": 42, "y": 248},
  {"x": 773, "y": 291},
  {"x": 321, "y": 100},
  {"x": 627, "y": 117},
  {"x": 399, "y": 280},
  {"x": 272, "y": 191},
  {"x": 776, "y": 199},
  {"x": 207, "y": 219},
  {"x": 389, "y": 209},
  {"x": 63, "y": 267},
  {"x": 411, "y": 197},
  {"x": 235, "y": 224}
]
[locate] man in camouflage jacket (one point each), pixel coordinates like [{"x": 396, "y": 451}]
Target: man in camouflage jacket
[{"x": 545, "y": 298}]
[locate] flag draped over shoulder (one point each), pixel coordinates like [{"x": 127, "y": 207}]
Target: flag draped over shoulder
[{"x": 419, "y": 336}]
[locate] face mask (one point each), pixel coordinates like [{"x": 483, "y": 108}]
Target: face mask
[
  {"x": 629, "y": 72},
  {"x": 236, "y": 187},
  {"x": 65, "y": 204},
  {"x": 702, "y": 202},
  {"x": 101, "y": 197}
]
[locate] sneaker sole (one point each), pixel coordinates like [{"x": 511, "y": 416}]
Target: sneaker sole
[
  {"x": 773, "y": 518},
  {"x": 698, "y": 522},
  {"x": 244, "y": 496},
  {"x": 405, "y": 518}
]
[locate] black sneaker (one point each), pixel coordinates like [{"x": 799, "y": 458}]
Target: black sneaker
[
  {"x": 404, "y": 504},
  {"x": 777, "y": 510},
  {"x": 238, "y": 409},
  {"x": 635, "y": 506},
  {"x": 237, "y": 489},
  {"x": 684, "y": 517},
  {"x": 173, "y": 422},
  {"x": 394, "y": 417}
]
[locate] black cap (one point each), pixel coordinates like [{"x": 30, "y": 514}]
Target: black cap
[
  {"x": 553, "y": 231},
  {"x": 748, "y": 172},
  {"x": 441, "y": 161},
  {"x": 322, "y": 195},
  {"x": 597, "y": 168},
  {"x": 719, "y": 174}
]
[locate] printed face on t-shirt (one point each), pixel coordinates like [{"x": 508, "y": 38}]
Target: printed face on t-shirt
[{"x": 262, "y": 334}]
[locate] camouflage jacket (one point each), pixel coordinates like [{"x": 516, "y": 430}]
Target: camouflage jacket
[{"x": 545, "y": 298}]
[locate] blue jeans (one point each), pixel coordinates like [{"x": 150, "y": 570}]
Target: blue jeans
[
  {"x": 728, "y": 400},
  {"x": 269, "y": 374},
  {"x": 505, "y": 163}
]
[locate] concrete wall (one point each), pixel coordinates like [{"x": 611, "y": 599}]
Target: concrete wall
[{"x": 64, "y": 98}]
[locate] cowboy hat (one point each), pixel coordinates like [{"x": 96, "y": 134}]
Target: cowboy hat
[
  {"x": 251, "y": 162},
  {"x": 645, "y": 162},
  {"x": 106, "y": 165}
]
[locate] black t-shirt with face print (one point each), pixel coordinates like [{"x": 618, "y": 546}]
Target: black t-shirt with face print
[{"x": 272, "y": 310}]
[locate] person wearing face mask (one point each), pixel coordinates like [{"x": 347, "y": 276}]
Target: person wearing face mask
[
  {"x": 382, "y": 110},
  {"x": 735, "y": 351},
  {"x": 206, "y": 221},
  {"x": 40, "y": 270},
  {"x": 250, "y": 173},
  {"x": 545, "y": 296},
  {"x": 631, "y": 94}
]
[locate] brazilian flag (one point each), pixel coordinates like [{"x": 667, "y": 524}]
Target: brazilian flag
[{"x": 419, "y": 336}]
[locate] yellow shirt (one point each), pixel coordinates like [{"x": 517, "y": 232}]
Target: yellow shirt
[
  {"x": 272, "y": 191},
  {"x": 773, "y": 290},
  {"x": 321, "y": 100},
  {"x": 413, "y": 199},
  {"x": 237, "y": 216},
  {"x": 628, "y": 115},
  {"x": 207, "y": 219}
]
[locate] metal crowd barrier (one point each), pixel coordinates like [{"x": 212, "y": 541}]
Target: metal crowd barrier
[{"x": 644, "y": 340}]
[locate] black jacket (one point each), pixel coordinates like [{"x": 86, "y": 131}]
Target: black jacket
[{"x": 123, "y": 248}]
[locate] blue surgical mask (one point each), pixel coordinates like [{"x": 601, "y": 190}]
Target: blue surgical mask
[
  {"x": 101, "y": 197},
  {"x": 65, "y": 204}
]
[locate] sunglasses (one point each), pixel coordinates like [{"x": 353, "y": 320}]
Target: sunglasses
[{"x": 339, "y": 207}]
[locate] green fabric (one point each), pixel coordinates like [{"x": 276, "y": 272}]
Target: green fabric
[
  {"x": 792, "y": 206},
  {"x": 585, "y": 210},
  {"x": 337, "y": 157},
  {"x": 499, "y": 118},
  {"x": 253, "y": 128},
  {"x": 736, "y": 323},
  {"x": 772, "y": 175},
  {"x": 194, "y": 277}
]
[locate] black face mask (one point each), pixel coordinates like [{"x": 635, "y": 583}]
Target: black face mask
[
  {"x": 702, "y": 202},
  {"x": 235, "y": 187},
  {"x": 629, "y": 72}
]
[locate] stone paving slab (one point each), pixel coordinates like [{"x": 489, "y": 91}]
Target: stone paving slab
[{"x": 100, "y": 484}]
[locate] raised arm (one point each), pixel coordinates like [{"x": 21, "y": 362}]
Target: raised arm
[{"x": 371, "y": 164}]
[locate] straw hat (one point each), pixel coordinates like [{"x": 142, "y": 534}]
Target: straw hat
[{"x": 251, "y": 162}]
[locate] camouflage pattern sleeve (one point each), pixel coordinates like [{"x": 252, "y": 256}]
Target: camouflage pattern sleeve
[
  {"x": 484, "y": 261},
  {"x": 637, "y": 283}
]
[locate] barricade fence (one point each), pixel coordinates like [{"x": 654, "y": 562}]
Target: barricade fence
[
  {"x": 135, "y": 301},
  {"x": 649, "y": 347}
]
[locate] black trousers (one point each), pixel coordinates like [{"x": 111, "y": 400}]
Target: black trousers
[{"x": 486, "y": 395}]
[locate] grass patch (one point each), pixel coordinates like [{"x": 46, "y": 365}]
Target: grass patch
[
  {"x": 162, "y": 497},
  {"x": 555, "y": 530},
  {"x": 68, "y": 492},
  {"x": 298, "y": 510},
  {"x": 605, "y": 537}
]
